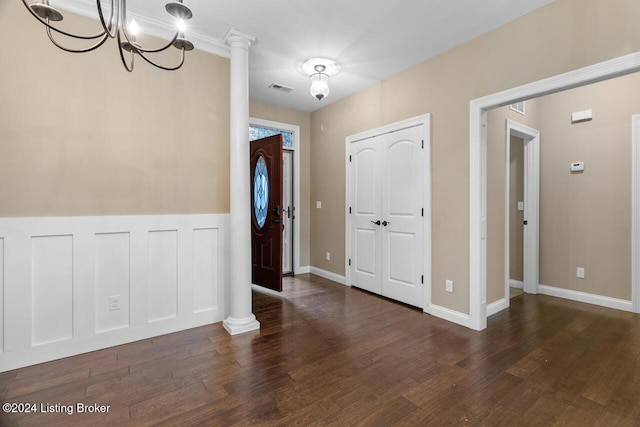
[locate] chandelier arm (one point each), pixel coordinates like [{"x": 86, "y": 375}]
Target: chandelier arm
[
  {"x": 162, "y": 67},
  {"x": 161, "y": 49},
  {"x": 104, "y": 38},
  {"x": 121, "y": 52},
  {"x": 108, "y": 28},
  {"x": 65, "y": 33}
]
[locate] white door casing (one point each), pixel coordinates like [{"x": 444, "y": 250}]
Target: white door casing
[
  {"x": 287, "y": 211},
  {"x": 635, "y": 213},
  {"x": 388, "y": 180}
]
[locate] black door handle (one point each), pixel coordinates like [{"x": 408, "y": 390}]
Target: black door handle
[
  {"x": 376, "y": 222},
  {"x": 385, "y": 223},
  {"x": 277, "y": 210}
]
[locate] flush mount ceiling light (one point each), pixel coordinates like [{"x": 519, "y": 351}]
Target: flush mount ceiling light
[
  {"x": 319, "y": 69},
  {"x": 119, "y": 27}
]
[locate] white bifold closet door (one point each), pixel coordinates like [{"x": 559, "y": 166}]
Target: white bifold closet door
[{"x": 387, "y": 226}]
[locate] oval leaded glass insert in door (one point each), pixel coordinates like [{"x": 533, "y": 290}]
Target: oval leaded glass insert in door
[{"x": 260, "y": 191}]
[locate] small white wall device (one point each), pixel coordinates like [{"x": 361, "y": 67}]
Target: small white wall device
[
  {"x": 581, "y": 116},
  {"x": 577, "y": 166}
]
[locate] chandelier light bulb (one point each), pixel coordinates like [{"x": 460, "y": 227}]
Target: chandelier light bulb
[
  {"x": 182, "y": 26},
  {"x": 133, "y": 28}
]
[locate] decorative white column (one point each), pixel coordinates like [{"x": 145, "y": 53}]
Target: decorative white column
[{"x": 240, "y": 319}]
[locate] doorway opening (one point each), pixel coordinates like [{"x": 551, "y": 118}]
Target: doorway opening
[
  {"x": 513, "y": 164},
  {"x": 478, "y": 177},
  {"x": 524, "y": 198},
  {"x": 259, "y": 128}
]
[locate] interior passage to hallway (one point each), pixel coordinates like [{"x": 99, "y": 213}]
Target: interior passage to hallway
[{"x": 334, "y": 355}]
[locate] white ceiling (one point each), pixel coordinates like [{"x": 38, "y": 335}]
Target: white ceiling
[{"x": 370, "y": 39}]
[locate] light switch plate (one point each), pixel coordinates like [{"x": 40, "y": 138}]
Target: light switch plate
[
  {"x": 449, "y": 286},
  {"x": 114, "y": 303}
]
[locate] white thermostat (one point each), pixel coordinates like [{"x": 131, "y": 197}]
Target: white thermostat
[{"x": 577, "y": 166}]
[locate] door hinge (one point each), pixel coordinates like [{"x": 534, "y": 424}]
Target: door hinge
[
  {"x": 349, "y": 157},
  {"x": 423, "y": 144},
  {"x": 422, "y": 279},
  {"x": 349, "y": 261},
  {"x": 349, "y": 209},
  {"x": 422, "y": 211}
]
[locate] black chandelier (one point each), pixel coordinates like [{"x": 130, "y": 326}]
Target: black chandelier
[{"x": 117, "y": 26}]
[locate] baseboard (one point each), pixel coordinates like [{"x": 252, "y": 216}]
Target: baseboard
[
  {"x": 448, "y": 314},
  {"x": 23, "y": 357},
  {"x": 516, "y": 284},
  {"x": 497, "y": 306},
  {"x": 328, "y": 275},
  {"x": 600, "y": 300},
  {"x": 303, "y": 270}
]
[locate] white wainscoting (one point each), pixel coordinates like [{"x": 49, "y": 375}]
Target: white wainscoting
[{"x": 59, "y": 277}]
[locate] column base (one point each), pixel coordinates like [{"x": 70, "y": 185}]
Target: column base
[{"x": 240, "y": 326}]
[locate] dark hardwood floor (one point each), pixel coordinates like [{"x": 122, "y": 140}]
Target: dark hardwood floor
[{"x": 332, "y": 355}]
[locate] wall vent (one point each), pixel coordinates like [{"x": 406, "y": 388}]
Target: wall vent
[
  {"x": 518, "y": 107},
  {"x": 281, "y": 88}
]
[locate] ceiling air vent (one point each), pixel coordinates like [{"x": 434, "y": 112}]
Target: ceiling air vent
[{"x": 281, "y": 88}]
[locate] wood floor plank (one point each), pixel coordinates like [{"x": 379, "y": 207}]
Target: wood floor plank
[{"x": 327, "y": 354}]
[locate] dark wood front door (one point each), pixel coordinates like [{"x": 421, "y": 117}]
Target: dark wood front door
[{"x": 266, "y": 207}]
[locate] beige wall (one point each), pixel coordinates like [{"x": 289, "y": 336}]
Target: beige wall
[
  {"x": 585, "y": 218},
  {"x": 81, "y": 136},
  {"x": 260, "y": 110},
  {"x": 563, "y": 36}
]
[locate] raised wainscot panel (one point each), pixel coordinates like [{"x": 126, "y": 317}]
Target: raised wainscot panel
[
  {"x": 163, "y": 275},
  {"x": 112, "y": 281},
  {"x": 52, "y": 289},
  {"x": 205, "y": 269}
]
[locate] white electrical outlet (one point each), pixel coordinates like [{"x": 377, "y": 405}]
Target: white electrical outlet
[
  {"x": 580, "y": 273},
  {"x": 449, "y": 286},
  {"x": 328, "y": 256},
  {"x": 318, "y": 204},
  {"x": 114, "y": 303}
]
